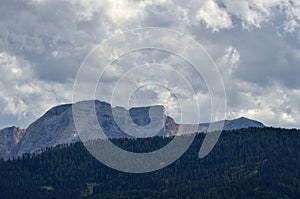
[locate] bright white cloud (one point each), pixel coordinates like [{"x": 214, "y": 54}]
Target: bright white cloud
[{"x": 215, "y": 17}]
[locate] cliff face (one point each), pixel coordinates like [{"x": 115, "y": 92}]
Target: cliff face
[
  {"x": 171, "y": 126},
  {"x": 9, "y": 139}
]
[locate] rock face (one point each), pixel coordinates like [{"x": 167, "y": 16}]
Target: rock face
[
  {"x": 57, "y": 126},
  {"x": 171, "y": 126},
  {"x": 9, "y": 139}
]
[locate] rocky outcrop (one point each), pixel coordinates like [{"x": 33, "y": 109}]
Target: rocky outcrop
[
  {"x": 171, "y": 126},
  {"x": 9, "y": 140}
]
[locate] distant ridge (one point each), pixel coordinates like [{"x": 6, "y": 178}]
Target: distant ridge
[
  {"x": 179, "y": 129},
  {"x": 57, "y": 126},
  {"x": 242, "y": 122}
]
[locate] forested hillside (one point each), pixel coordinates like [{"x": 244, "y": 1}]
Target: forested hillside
[{"x": 246, "y": 163}]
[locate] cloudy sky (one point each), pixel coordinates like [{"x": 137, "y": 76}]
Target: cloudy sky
[{"x": 255, "y": 45}]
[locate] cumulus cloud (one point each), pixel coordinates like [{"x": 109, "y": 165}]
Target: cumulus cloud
[
  {"x": 22, "y": 95},
  {"x": 255, "y": 44},
  {"x": 215, "y": 17}
]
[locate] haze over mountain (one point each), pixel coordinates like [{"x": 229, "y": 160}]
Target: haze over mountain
[{"x": 57, "y": 126}]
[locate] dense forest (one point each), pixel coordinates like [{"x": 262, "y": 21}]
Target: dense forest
[{"x": 246, "y": 163}]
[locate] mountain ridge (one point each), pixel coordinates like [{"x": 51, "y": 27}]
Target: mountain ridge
[{"x": 56, "y": 126}]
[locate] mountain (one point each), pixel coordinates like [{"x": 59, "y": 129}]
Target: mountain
[
  {"x": 9, "y": 139},
  {"x": 180, "y": 129},
  {"x": 57, "y": 126},
  {"x": 240, "y": 123}
]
